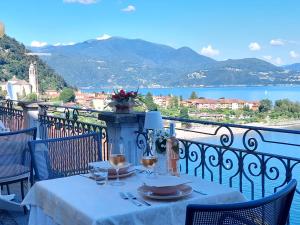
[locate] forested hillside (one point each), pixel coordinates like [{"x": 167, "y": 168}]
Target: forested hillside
[{"x": 13, "y": 61}]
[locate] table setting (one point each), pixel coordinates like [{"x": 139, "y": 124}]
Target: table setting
[
  {"x": 121, "y": 193},
  {"x": 116, "y": 192}
]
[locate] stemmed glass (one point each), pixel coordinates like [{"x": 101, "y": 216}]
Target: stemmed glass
[
  {"x": 117, "y": 160},
  {"x": 149, "y": 161}
]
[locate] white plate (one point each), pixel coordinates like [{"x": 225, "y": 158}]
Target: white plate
[
  {"x": 183, "y": 191},
  {"x": 129, "y": 173},
  {"x": 165, "y": 181}
]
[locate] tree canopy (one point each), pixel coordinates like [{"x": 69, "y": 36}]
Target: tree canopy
[
  {"x": 15, "y": 62},
  {"x": 265, "y": 105},
  {"x": 149, "y": 102},
  {"x": 193, "y": 95},
  {"x": 67, "y": 95}
]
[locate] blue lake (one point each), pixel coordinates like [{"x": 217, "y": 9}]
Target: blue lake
[{"x": 245, "y": 93}]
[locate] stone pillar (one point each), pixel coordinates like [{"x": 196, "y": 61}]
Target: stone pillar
[
  {"x": 31, "y": 112},
  {"x": 125, "y": 126}
]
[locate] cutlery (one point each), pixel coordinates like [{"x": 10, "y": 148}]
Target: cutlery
[
  {"x": 138, "y": 199},
  {"x": 199, "y": 192},
  {"x": 125, "y": 197}
]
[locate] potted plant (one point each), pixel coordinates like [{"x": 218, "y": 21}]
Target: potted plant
[{"x": 123, "y": 102}]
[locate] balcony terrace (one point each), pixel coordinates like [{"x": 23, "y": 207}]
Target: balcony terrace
[{"x": 246, "y": 158}]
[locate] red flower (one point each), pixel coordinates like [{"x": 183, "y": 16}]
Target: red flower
[{"x": 122, "y": 92}]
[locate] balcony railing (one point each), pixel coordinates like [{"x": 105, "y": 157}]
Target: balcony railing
[
  {"x": 11, "y": 115},
  {"x": 57, "y": 121},
  {"x": 255, "y": 160}
]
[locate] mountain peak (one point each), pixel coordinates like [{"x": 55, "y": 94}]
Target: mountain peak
[{"x": 130, "y": 62}]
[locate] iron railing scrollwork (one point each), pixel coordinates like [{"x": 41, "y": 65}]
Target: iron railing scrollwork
[
  {"x": 58, "y": 121},
  {"x": 11, "y": 116},
  {"x": 254, "y": 160}
]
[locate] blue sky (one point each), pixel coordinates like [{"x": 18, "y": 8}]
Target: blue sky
[{"x": 221, "y": 29}]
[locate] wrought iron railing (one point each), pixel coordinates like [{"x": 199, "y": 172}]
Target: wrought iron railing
[
  {"x": 255, "y": 160},
  {"x": 60, "y": 121},
  {"x": 11, "y": 116}
]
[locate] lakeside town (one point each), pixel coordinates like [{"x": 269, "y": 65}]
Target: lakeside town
[{"x": 281, "y": 113}]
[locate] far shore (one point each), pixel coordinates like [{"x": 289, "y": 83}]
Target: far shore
[{"x": 191, "y": 133}]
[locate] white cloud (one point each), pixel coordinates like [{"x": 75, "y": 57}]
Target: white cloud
[
  {"x": 86, "y": 2},
  {"x": 268, "y": 57},
  {"x": 103, "y": 37},
  {"x": 254, "y": 46},
  {"x": 64, "y": 44},
  {"x": 38, "y": 44},
  {"x": 278, "y": 61},
  {"x": 70, "y": 43},
  {"x": 129, "y": 8},
  {"x": 210, "y": 51},
  {"x": 294, "y": 54},
  {"x": 277, "y": 42},
  {"x": 38, "y": 53}
]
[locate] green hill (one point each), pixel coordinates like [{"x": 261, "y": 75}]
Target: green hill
[
  {"x": 133, "y": 62},
  {"x": 14, "y": 62}
]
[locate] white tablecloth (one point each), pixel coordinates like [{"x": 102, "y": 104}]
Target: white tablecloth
[{"x": 78, "y": 200}]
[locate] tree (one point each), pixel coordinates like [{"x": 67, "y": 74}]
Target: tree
[
  {"x": 32, "y": 97},
  {"x": 265, "y": 105},
  {"x": 194, "y": 95},
  {"x": 174, "y": 102},
  {"x": 149, "y": 102},
  {"x": 67, "y": 95},
  {"x": 2, "y": 93},
  {"x": 184, "y": 113}
]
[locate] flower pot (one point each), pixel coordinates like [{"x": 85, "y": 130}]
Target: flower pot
[{"x": 123, "y": 108}]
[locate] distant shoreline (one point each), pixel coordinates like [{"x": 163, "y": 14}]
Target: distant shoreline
[
  {"x": 211, "y": 129},
  {"x": 199, "y": 86}
]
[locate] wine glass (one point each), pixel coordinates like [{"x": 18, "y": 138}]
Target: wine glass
[
  {"x": 117, "y": 160},
  {"x": 149, "y": 161}
]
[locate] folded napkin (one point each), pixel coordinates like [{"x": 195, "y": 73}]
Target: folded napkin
[{"x": 165, "y": 181}]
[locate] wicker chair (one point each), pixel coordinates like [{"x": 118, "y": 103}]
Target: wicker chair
[
  {"x": 271, "y": 210},
  {"x": 61, "y": 157},
  {"x": 15, "y": 163}
]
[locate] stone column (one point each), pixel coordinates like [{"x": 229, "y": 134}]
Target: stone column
[
  {"x": 31, "y": 112},
  {"x": 124, "y": 126}
]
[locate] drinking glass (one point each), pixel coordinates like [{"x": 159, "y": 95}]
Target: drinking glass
[
  {"x": 117, "y": 160},
  {"x": 149, "y": 161},
  {"x": 101, "y": 176}
]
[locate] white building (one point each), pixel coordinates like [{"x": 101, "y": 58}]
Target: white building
[{"x": 21, "y": 88}]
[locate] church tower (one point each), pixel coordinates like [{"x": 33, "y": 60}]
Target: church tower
[{"x": 33, "y": 80}]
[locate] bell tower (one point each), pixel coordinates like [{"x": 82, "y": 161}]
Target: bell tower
[{"x": 33, "y": 80}]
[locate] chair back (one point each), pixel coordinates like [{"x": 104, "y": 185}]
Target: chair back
[
  {"x": 271, "y": 210},
  {"x": 14, "y": 153},
  {"x": 60, "y": 157}
]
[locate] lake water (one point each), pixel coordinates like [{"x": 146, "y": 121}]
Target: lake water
[{"x": 246, "y": 93}]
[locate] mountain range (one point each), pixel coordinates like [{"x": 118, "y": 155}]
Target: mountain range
[{"x": 134, "y": 62}]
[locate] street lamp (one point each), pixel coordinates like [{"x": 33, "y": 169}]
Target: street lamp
[{"x": 2, "y": 29}]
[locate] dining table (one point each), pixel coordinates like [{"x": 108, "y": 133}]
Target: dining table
[{"x": 79, "y": 200}]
